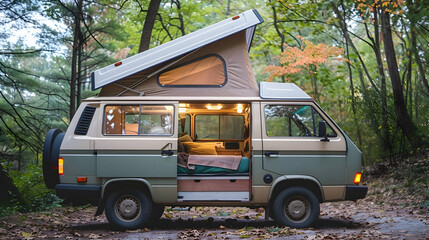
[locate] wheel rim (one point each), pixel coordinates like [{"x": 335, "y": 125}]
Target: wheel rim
[
  {"x": 297, "y": 209},
  {"x": 128, "y": 208}
]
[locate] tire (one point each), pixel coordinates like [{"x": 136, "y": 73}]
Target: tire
[
  {"x": 51, "y": 152},
  {"x": 157, "y": 211},
  {"x": 128, "y": 209},
  {"x": 296, "y": 207}
]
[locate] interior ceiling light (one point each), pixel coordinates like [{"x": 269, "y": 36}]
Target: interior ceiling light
[
  {"x": 183, "y": 110},
  {"x": 239, "y": 108},
  {"x": 214, "y": 107}
]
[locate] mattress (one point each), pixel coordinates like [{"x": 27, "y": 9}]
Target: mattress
[{"x": 199, "y": 169}]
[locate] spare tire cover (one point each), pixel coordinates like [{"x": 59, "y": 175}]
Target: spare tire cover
[{"x": 51, "y": 152}]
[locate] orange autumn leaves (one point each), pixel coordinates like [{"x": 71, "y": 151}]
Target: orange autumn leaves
[
  {"x": 307, "y": 57},
  {"x": 389, "y": 6}
]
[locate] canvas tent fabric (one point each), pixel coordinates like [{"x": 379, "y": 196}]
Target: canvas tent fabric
[
  {"x": 207, "y": 71},
  {"x": 194, "y": 67},
  {"x": 177, "y": 47}
]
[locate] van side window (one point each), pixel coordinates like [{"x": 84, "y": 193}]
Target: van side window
[
  {"x": 293, "y": 121},
  {"x": 138, "y": 120},
  {"x": 219, "y": 127}
]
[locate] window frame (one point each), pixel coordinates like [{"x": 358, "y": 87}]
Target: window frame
[
  {"x": 139, "y": 105},
  {"x": 314, "y": 109},
  {"x": 190, "y": 123},
  {"x": 195, "y": 86}
]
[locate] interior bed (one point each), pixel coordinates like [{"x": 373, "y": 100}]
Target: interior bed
[
  {"x": 201, "y": 169},
  {"x": 202, "y": 158}
]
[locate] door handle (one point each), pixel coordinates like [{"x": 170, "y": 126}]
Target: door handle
[
  {"x": 167, "y": 153},
  {"x": 271, "y": 154}
]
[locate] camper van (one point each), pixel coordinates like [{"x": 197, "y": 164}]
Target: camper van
[{"x": 186, "y": 124}]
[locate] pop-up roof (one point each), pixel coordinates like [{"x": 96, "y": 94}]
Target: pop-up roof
[{"x": 212, "y": 61}]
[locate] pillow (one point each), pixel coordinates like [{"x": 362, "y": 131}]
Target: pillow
[
  {"x": 190, "y": 145},
  {"x": 203, "y": 150},
  {"x": 185, "y": 138}
]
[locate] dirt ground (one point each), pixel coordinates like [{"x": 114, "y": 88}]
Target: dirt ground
[{"x": 365, "y": 219}]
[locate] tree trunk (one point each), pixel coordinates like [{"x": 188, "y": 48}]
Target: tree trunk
[
  {"x": 228, "y": 8},
  {"x": 404, "y": 121},
  {"x": 387, "y": 146},
  {"x": 182, "y": 22},
  {"x": 79, "y": 75},
  {"x": 19, "y": 158},
  {"x": 351, "y": 44},
  {"x": 352, "y": 89},
  {"x": 76, "y": 34},
  {"x": 8, "y": 190},
  {"x": 281, "y": 35},
  {"x": 417, "y": 58},
  {"x": 148, "y": 25},
  {"x": 343, "y": 25}
]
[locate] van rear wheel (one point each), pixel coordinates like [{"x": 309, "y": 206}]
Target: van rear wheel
[
  {"x": 157, "y": 211},
  {"x": 296, "y": 207},
  {"x": 128, "y": 209}
]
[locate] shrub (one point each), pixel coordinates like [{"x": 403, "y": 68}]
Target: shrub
[{"x": 36, "y": 197}]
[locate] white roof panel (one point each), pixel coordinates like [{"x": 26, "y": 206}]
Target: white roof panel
[
  {"x": 177, "y": 47},
  {"x": 272, "y": 90}
]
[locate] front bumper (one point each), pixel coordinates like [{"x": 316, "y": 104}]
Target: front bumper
[
  {"x": 354, "y": 192},
  {"x": 79, "y": 194}
]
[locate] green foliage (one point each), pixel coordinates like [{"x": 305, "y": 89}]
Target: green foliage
[{"x": 35, "y": 195}]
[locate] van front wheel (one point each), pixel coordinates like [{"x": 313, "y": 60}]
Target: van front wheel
[
  {"x": 296, "y": 207},
  {"x": 128, "y": 209}
]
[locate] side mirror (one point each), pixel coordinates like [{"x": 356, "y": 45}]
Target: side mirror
[{"x": 322, "y": 131}]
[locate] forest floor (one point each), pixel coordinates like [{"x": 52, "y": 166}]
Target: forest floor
[{"x": 396, "y": 207}]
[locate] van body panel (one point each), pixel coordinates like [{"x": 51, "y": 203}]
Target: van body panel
[
  {"x": 124, "y": 181},
  {"x": 162, "y": 190},
  {"x": 256, "y": 127},
  {"x": 286, "y": 178},
  {"x": 79, "y": 163},
  {"x": 299, "y": 164},
  {"x": 260, "y": 194},
  {"x": 334, "y": 193},
  {"x": 165, "y": 194},
  {"x": 136, "y": 164},
  {"x": 81, "y": 142},
  {"x": 140, "y": 157},
  {"x": 293, "y": 155},
  {"x": 354, "y": 156},
  {"x": 135, "y": 143}
]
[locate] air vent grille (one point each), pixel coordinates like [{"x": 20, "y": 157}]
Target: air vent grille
[{"x": 84, "y": 121}]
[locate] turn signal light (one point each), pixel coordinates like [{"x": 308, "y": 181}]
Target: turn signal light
[
  {"x": 235, "y": 17},
  {"x": 358, "y": 177},
  {"x": 60, "y": 166}
]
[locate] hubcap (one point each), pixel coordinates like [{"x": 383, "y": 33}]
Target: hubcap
[
  {"x": 127, "y": 207},
  {"x": 297, "y": 209}
]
